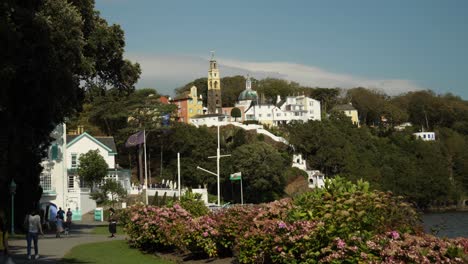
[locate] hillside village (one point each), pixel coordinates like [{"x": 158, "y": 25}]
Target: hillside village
[
  {"x": 62, "y": 185},
  {"x": 322, "y": 132}
]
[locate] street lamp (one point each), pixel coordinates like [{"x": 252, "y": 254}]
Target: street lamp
[{"x": 12, "y": 192}]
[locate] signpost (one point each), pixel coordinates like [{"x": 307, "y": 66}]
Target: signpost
[{"x": 238, "y": 177}]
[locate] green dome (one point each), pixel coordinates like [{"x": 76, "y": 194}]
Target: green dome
[{"x": 248, "y": 95}]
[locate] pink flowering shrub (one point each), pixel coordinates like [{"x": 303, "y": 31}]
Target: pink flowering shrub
[
  {"x": 389, "y": 248},
  {"x": 276, "y": 241},
  {"x": 152, "y": 228},
  {"x": 342, "y": 223},
  {"x": 201, "y": 236}
]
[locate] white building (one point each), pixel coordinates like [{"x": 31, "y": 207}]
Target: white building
[
  {"x": 316, "y": 179},
  {"x": 59, "y": 180},
  {"x": 300, "y": 108},
  {"x": 426, "y": 136}
]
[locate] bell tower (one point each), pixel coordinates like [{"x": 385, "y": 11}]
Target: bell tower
[{"x": 214, "y": 88}]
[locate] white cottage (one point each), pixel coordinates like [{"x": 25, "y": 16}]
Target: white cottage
[
  {"x": 425, "y": 136},
  {"x": 61, "y": 183}
]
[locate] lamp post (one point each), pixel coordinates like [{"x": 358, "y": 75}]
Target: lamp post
[{"x": 12, "y": 192}]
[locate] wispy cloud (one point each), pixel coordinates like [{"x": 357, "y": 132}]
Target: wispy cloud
[{"x": 167, "y": 72}]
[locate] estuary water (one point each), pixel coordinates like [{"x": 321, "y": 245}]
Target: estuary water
[{"x": 452, "y": 224}]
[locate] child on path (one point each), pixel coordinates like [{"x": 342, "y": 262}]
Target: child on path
[{"x": 33, "y": 223}]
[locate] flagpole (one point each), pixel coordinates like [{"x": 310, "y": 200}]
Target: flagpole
[
  {"x": 178, "y": 173},
  {"x": 146, "y": 171},
  {"x": 242, "y": 194},
  {"x": 217, "y": 170}
]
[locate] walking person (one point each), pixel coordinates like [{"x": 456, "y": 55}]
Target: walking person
[
  {"x": 61, "y": 213},
  {"x": 58, "y": 225},
  {"x": 112, "y": 222},
  {"x": 33, "y": 223},
  {"x": 6, "y": 258},
  {"x": 68, "y": 222}
]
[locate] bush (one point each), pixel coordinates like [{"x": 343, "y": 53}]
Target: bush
[
  {"x": 192, "y": 203},
  {"x": 341, "y": 223},
  {"x": 349, "y": 209},
  {"x": 156, "y": 228}
]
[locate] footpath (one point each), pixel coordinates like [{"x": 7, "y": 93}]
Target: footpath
[{"x": 52, "y": 249}]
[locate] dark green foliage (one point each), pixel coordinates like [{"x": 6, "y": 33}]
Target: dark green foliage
[
  {"x": 155, "y": 201},
  {"x": 422, "y": 171},
  {"x": 110, "y": 188},
  {"x": 191, "y": 202},
  {"x": 92, "y": 167},
  {"x": 163, "y": 201},
  {"x": 349, "y": 209},
  {"x": 52, "y": 51},
  {"x": 262, "y": 169},
  {"x": 236, "y": 113}
]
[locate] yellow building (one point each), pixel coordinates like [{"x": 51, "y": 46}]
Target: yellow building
[
  {"x": 348, "y": 110},
  {"x": 188, "y": 105}
]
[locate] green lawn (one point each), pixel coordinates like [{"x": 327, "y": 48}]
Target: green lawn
[
  {"x": 114, "y": 252},
  {"x": 104, "y": 230}
]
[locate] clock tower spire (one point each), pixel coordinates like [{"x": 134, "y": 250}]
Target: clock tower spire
[{"x": 214, "y": 88}]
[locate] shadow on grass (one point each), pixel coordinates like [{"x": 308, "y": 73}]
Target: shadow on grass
[{"x": 73, "y": 261}]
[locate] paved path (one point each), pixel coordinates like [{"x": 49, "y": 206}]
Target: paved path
[{"x": 52, "y": 250}]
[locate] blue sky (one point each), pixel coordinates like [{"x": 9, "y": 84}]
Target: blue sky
[{"x": 395, "y": 46}]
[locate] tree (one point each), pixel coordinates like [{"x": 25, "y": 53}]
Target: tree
[
  {"x": 92, "y": 168},
  {"x": 236, "y": 112},
  {"x": 52, "y": 51},
  {"x": 109, "y": 192},
  {"x": 262, "y": 171}
]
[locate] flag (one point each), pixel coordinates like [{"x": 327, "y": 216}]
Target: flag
[
  {"x": 236, "y": 176},
  {"x": 135, "y": 139},
  {"x": 166, "y": 119}
]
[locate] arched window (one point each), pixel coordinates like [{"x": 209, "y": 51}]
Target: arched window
[
  {"x": 211, "y": 84},
  {"x": 217, "y": 101},
  {"x": 216, "y": 84}
]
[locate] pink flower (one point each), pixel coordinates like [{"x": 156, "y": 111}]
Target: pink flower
[
  {"x": 205, "y": 234},
  {"x": 279, "y": 249},
  {"x": 281, "y": 224},
  {"x": 395, "y": 235},
  {"x": 340, "y": 243}
]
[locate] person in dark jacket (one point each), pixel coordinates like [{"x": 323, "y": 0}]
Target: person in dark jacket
[{"x": 112, "y": 222}]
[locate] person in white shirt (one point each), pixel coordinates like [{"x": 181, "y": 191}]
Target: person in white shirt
[{"x": 33, "y": 223}]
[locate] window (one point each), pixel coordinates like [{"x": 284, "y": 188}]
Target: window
[
  {"x": 46, "y": 181},
  {"x": 191, "y": 110},
  {"x": 74, "y": 161},
  {"x": 54, "y": 151},
  {"x": 215, "y": 84},
  {"x": 71, "y": 181},
  {"x": 268, "y": 115}
]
